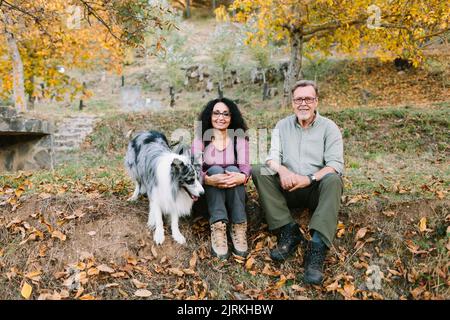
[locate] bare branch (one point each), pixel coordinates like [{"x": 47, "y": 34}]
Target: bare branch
[
  {"x": 16, "y": 8},
  {"x": 92, "y": 11},
  {"x": 437, "y": 33},
  {"x": 332, "y": 26}
]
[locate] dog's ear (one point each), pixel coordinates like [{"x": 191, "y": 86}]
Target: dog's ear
[
  {"x": 187, "y": 151},
  {"x": 196, "y": 159},
  {"x": 177, "y": 165},
  {"x": 182, "y": 149}
]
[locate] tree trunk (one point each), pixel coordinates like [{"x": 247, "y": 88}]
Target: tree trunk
[
  {"x": 265, "y": 86},
  {"x": 18, "y": 78},
  {"x": 295, "y": 66},
  {"x": 220, "y": 90},
  {"x": 213, "y": 5},
  {"x": 31, "y": 94}
]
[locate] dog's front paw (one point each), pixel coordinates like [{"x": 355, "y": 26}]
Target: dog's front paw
[
  {"x": 158, "y": 237},
  {"x": 151, "y": 223},
  {"x": 132, "y": 199},
  {"x": 179, "y": 238}
]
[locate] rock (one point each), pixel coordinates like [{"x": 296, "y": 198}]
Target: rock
[
  {"x": 365, "y": 95},
  {"x": 272, "y": 92},
  {"x": 373, "y": 281},
  {"x": 131, "y": 97},
  {"x": 7, "y": 112},
  {"x": 256, "y": 75},
  {"x": 42, "y": 159},
  {"x": 195, "y": 77},
  {"x": 234, "y": 77},
  {"x": 209, "y": 85},
  {"x": 25, "y": 144},
  {"x": 402, "y": 64}
]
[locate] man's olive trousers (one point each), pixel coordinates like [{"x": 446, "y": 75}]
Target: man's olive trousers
[{"x": 323, "y": 198}]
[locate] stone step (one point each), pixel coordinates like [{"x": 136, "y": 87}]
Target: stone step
[
  {"x": 74, "y": 126},
  {"x": 61, "y": 137},
  {"x": 78, "y": 121},
  {"x": 67, "y": 143},
  {"x": 75, "y": 129},
  {"x": 63, "y": 149},
  {"x": 72, "y": 132}
]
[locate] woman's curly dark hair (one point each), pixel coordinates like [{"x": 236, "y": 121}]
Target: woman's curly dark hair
[{"x": 237, "y": 121}]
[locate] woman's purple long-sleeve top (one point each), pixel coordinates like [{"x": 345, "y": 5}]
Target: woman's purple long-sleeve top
[{"x": 224, "y": 158}]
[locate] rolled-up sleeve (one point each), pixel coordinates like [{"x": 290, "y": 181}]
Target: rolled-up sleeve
[
  {"x": 276, "y": 152},
  {"x": 334, "y": 149}
]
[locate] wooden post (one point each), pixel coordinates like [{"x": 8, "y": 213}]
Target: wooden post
[
  {"x": 265, "y": 91},
  {"x": 172, "y": 96},
  {"x": 188, "y": 9},
  {"x": 83, "y": 92}
]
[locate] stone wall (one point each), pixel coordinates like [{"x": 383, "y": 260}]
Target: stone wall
[{"x": 25, "y": 144}]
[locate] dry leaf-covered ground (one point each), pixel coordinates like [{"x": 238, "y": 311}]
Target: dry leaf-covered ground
[
  {"x": 97, "y": 247},
  {"x": 70, "y": 234}
]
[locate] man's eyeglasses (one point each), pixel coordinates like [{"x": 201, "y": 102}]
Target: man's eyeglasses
[
  {"x": 308, "y": 100},
  {"x": 224, "y": 114}
]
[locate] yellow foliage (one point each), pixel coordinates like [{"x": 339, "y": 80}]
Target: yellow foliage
[
  {"x": 397, "y": 27},
  {"x": 79, "y": 46}
]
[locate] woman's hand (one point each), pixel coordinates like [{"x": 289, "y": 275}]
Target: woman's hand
[
  {"x": 216, "y": 180},
  {"x": 233, "y": 179},
  {"x": 225, "y": 180}
]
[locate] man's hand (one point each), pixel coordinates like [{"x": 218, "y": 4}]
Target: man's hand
[
  {"x": 287, "y": 178},
  {"x": 300, "y": 182}
]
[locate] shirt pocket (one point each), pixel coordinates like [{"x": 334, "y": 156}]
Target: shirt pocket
[{"x": 313, "y": 151}]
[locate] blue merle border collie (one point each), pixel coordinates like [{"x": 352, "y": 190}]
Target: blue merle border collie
[{"x": 170, "y": 180}]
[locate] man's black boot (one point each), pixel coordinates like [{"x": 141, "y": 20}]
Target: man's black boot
[
  {"x": 288, "y": 240},
  {"x": 315, "y": 257}
]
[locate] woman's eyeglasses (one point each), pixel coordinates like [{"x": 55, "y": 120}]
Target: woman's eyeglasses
[{"x": 224, "y": 114}]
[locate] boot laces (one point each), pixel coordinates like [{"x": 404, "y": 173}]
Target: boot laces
[
  {"x": 316, "y": 257},
  {"x": 218, "y": 231},
  {"x": 238, "y": 233}
]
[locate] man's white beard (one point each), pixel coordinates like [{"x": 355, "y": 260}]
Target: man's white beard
[{"x": 303, "y": 116}]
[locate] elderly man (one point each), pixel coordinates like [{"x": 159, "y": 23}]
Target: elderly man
[{"x": 303, "y": 170}]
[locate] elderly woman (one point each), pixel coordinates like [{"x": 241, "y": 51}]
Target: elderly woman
[{"x": 225, "y": 171}]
